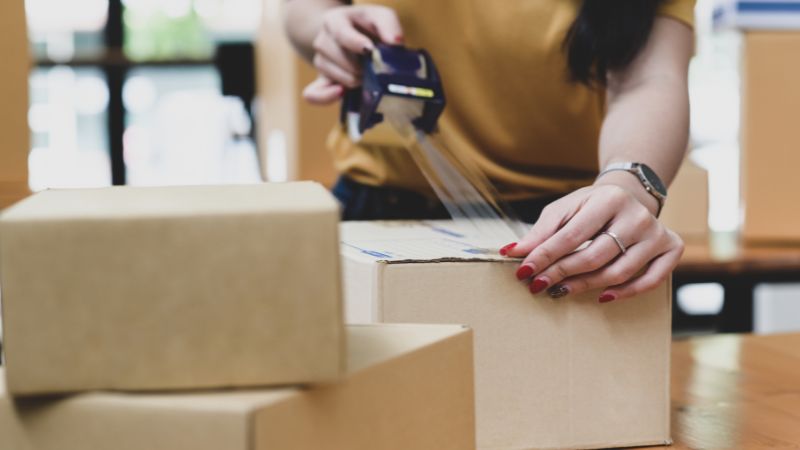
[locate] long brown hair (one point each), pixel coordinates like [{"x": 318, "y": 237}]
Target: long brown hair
[{"x": 607, "y": 35}]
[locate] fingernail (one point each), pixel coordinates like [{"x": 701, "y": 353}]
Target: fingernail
[
  {"x": 558, "y": 291},
  {"x": 605, "y": 298},
  {"x": 398, "y": 39},
  {"x": 539, "y": 285},
  {"x": 524, "y": 272},
  {"x": 504, "y": 251}
]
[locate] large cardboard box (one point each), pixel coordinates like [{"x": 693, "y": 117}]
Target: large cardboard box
[
  {"x": 167, "y": 288},
  {"x": 551, "y": 374},
  {"x": 407, "y": 387},
  {"x": 770, "y": 136},
  {"x": 292, "y": 134},
  {"x": 14, "y": 105},
  {"x": 686, "y": 209}
]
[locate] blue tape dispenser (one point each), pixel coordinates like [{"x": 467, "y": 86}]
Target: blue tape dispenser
[{"x": 398, "y": 80}]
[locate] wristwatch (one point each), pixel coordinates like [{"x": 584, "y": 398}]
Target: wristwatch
[{"x": 646, "y": 176}]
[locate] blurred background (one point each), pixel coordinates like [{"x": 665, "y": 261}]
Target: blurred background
[
  {"x": 158, "y": 67},
  {"x": 154, "y": 92},
  {"x": 134, "y": 92}
]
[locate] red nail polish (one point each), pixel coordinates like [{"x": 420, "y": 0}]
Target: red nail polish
[
  {"x": 504, "y": 251},
  {"x": 605, "y": 298},
  {"x": 398, "y": 39},
  {"x": 538, "y": 285},
  {"x": 524, "y": 272}
]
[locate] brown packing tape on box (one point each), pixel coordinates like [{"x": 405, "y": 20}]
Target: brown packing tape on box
[
  {"x": 549, "y": 374},
  {"x": 407, "y": 387},
  {"x": 14, "y": 105},
  {"x": 770, "y": 136},
  {"x": 167, "y": 288}
]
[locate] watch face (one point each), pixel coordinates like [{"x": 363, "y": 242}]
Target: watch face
[{"x": 651, "y": 177}]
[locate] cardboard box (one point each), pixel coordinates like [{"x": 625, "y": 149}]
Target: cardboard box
[
  {"x": 408, "y": 387},
  {"x": 549, "y": 374},
  {"x": 168, "y": 288},
  {"x": 686, "y": 209},
  {"x": 291, "y": 132},
  {"x": 770, "y": 136},
  {"x": 14, "y": 106}
]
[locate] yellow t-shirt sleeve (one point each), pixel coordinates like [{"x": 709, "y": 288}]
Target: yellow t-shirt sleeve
[{"x": 682, "y": 10}]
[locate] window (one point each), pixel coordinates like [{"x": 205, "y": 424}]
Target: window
[{"x": 131, "y": 92}]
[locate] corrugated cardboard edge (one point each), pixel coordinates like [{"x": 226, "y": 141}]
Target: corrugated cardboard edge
[
  {"x": 589, "y": 446},
  {"x": 378, "y": 274},
  {"x": 444, "y": 260},
  {"x": 340, "y": 293}
]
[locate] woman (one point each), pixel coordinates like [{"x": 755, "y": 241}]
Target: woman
[{"x": 543, "y": 95}]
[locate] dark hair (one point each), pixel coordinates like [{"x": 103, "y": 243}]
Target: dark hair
[{"x": 607, "y": 35}]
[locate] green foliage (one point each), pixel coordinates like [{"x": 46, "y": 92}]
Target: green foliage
[{"x": 152, "y": 35}]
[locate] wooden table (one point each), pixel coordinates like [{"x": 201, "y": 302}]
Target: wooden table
[
  {"x": 738, "y": 268},
  {"x": 736, "y": 392}
]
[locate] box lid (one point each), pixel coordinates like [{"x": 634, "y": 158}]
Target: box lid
[
  {"x": 396, "y": 242},
  {"x": 125, "y": 202}
]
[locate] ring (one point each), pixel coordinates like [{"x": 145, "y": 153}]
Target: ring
[{"x": 617, "y": 240}]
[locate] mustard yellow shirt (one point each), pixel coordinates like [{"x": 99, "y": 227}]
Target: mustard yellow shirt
[{"x": 510, "y": 106}]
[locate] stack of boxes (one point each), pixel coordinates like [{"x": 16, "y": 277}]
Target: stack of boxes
[
  {"x": 208, "y": 318},
  {"x": 164, "y": 314}
]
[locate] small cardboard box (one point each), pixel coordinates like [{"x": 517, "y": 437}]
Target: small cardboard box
[
  {"x": 770, "y": 136},
  {"x": 686, "y": 209},
  {"x": 570, "y": 373},
  {"x": 14, "y": 107},
  {"x": 167, "y": 288},
  {"x": 407, "y": 387}
]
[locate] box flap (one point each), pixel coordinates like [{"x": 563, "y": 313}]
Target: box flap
[{"x": 417, "y": 241}]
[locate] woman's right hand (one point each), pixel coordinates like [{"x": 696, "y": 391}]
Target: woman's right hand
[{"x": 345, "y": 33}]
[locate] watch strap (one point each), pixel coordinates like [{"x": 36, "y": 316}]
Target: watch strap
[
  {"x": 626, "y": 166},
  {"x": 633, "y": 168}
]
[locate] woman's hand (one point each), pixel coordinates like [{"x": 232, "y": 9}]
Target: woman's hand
[
  {"x": 552, "y": 263},
  {"x": 345, "y": 33}
]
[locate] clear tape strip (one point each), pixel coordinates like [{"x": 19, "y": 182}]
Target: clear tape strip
[{"x": 467, "y": 194}]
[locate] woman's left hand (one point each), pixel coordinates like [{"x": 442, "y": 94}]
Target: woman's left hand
[{"x": 552, "y": 263}]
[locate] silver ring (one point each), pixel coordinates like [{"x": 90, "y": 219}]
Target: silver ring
[{"x": 617, "y": 240}]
